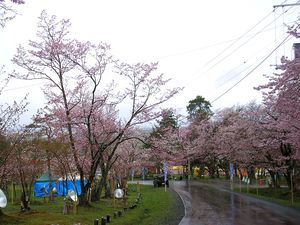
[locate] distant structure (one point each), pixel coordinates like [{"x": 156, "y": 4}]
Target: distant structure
[{"x": 296, "y": 47}]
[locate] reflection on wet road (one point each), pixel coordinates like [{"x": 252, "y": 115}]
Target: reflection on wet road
[{"x": 213, "y": 203}]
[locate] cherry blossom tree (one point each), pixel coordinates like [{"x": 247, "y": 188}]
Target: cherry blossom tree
[
  {"x": 282, "y": 102},
  {"x": 130, "y": 158},
  {"x": 83, "y": 99},
  {"x": 237, "y": 137},
  {"x": 7, "y": 12},
  {"x": 25, "y": 162},
  {"x": 163, "y": 143},
  {"x": 9, "y": 114},
  {"x": 9, "y": 119},
  {"x": 281, "y": 99}
]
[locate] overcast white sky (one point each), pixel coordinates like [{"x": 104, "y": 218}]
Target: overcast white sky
[{"x": 195, "y": 41}]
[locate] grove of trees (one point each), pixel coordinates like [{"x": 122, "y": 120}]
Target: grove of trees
[{"x": 81, "y": 130}]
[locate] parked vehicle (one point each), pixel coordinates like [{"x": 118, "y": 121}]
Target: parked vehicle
[{"x": 159, "y": 181}]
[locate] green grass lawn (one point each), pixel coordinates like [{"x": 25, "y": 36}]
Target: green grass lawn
[
  {"x": 155, "y": 207},
  {"x": 278, "y": 195}
]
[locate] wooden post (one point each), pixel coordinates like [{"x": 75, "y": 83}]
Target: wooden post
[
  {"x": 103, "y": 221},
  {"x": 256, "y": 186},
  {"x": 113, "y": 188},
  {"x": 65, "y": 209},
  {"x": 12, "y": 192},
  {"x": 292, "y": 191},
  {"x": 96, "y": 222},
  {"x": 108, "y": 218},
  {"x": 247, "y": 187},
  {"x": 75, "y": 207},
  {"x": 119, "y": 213},
  {"x": 90, "y": 195}
]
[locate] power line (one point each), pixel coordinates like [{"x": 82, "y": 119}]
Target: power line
[
  {"x": 229, "y": 89},
  {"x": 237, "y": 48},
  {"x": 245, "y": 62},
  {"x": 239, "y": 38},
  {"x": 235, "y": 41},
  {"x": 294, "y": 4},
  {"x": 212, "y": 45},
  {"x": 22, "y": 87},
  {"x": 242, "y": 36}
]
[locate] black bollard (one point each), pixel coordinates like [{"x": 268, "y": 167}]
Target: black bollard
[
  {"x": 115, "y": 214},
  {"x": 103, "y": 221},
  {"x": 108, "y": 218},
  {"x": 119, "y": 213},
  {"x": 132, "y": 206},
  {"x": 96, "y": 222}
]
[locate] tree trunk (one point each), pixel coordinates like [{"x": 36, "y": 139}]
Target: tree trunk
[
  {"x": 25, "y": 195},
  {"x": 108, "y": 191},
  {"x": 227, "y": 175},
  {"x": 83, "y": 198},
  {"x": 102, "y": 184},
  {"x": 211, "y": 171},
  {"x": 50, "y": 176},
  {"x": 95, "y": 191},
  {"x": 191, "y": 171},
  {"x": 241, "y": 174},
  {"x": 201, "y": 170},
  {"x": 25, "y": 202},
  {"x": 275, "y": 182},
  {"x": 287, "y": 176},
  {"x": 251, "y": 174},
  {"x": 212, "y": 168},
  {"x": 14, "y": 193}
]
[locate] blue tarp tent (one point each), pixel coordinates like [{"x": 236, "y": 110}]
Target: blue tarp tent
[
  {"x": 42, "y": 185},
  {"x": 61, "y": 186},
  {"x": 65, "y": 185}
]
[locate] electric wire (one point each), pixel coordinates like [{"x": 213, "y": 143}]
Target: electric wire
[
  {"x": 275, "y": 50},
  {"x": 223, "y": 51},
  {"x": 239, "y": 38},
  {"x": 235, "y": 40},
  {"x": 283, "y": 28},
  {"x": 201, "y": 48},
  {"x": 22, "y": 87},
  {"x": 255, "y": 55},
  {"x": 235, "y": 49},
  {"x": 250, "y": 72},
  {"x": 275, "y": 35},
  {"x": 211, "y": 45},
  {"x": 275, "y": 41},
  {"x": 166, "y": 56}
]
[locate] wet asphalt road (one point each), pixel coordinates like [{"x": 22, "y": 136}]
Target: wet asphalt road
[{"x": 215, "y": 204}]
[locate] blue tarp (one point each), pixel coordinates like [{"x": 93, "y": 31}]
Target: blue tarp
[
  {"x": 42, "y": 187},
  {"x": 65, "y": 186}
]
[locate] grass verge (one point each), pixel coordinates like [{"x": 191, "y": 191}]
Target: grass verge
[
  {"x": 156, "y": 207},
  {"x": 278, "y": 195}
]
